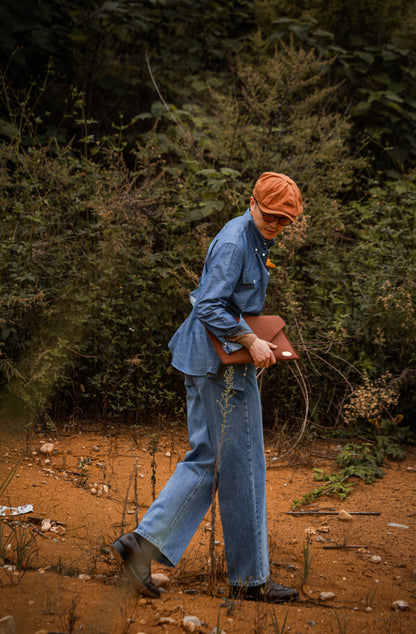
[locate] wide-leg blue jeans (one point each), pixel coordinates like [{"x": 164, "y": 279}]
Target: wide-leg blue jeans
[{"x": 235, "y": 439}]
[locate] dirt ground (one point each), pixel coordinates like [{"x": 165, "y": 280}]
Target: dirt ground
[{"x": 93, "y": 484}]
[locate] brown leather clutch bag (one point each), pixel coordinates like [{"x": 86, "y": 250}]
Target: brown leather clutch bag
[{"x": 267, "y": 327}]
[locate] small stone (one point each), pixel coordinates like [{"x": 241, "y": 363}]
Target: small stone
[
  {"x": 400, "y": 605},
  {"x": 344, "y": 516},
  {"x": 58, "y": 529},
  {"x": 191, "y": 623},
  {"x": 309, "y": 532},
  {"x": 7, "y": 625},
  {"x": 319, "y": 538},
  {"x": 376, "y": 559},
  {"x": 166, "y": 620},
  {"x": 46, "y": 525},
  {"x": 160, "y": 580},
  {"x": 311, "y": 623},
  {"x": 47, "y": 448},
  {"x": 93, "y": 491},
  {"x": 168, "y": 454},
  {"x": 84, "y": 577},
  {"x": 105, "y": 489},
  {"x": 368, "y": 608},
  {"x": 215, "y": 630},
  {"x": 323, "y": 529},
  {"x": 325, "y": 596}
]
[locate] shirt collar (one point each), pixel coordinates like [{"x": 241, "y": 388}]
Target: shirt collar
[{"x": 257, "y": 239}]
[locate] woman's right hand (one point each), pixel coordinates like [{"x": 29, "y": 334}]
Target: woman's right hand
[{"x": 261, "y": 352}]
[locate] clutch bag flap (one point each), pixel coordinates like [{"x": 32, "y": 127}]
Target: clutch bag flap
[{"x": 267, "y": 327}]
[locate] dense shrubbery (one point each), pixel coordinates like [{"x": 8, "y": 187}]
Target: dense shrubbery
[{"x": 103, "y": 237}]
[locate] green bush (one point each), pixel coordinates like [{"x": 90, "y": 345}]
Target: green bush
[{"x": 101, "y": 246}]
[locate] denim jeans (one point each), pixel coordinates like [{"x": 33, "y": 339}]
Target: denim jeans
[{"x": 236, "y": 438}]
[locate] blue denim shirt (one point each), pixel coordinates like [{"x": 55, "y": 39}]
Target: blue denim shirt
[{"x": 233, "y": 282}]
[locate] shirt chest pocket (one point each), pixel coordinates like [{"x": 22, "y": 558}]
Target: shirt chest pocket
[
  {"x": 250, "y": 278},
  {"x": 247, "y": 294}
]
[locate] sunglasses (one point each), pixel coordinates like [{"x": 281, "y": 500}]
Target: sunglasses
[{"x": 282, "y": 220}]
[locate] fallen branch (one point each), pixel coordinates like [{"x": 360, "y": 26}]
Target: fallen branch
[
  {"x": 299, "y": 513},
  {"x": 345, "y": 546}
]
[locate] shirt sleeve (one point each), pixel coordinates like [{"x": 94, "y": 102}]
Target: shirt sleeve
[{"x": 215, "y": 306}]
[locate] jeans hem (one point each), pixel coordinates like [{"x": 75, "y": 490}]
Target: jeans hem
[
  {"x": 251, "y": 583},
  {"x": 162, "y": 558}
]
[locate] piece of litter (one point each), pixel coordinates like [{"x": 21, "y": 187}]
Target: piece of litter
[
  {"x": 394, "y": 525},
  {"x": 18, "y": 510}
]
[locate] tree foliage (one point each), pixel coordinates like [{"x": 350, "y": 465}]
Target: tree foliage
[{"x": 144, "y": 134}]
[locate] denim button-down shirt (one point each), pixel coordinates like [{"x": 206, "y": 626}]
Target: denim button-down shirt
[{"x": 233, "y": 283}]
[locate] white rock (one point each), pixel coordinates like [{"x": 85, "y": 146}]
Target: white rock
[
  {"x": 323, "y": 529},
  {"x": 325, "y": 596},
  {"x": 47, "y": 448},
  {"x": 7, "y": 625},
  {"x": 376, "y": 559},
  {"x": 191, "y": 623},
  {"x": 83, "y": 577},
  {"x": 400, "y": 605},
  {"x": 216, "y": 631},
  {"x": 160, "y": 580},
  {"x": 58, "y": 529},
  {"x": 93, "y": 491},
  {"x": 309, "y": 531},
  {"x": 45, "y": 526},
  {"x": 344, "y": 516},
  {"x": 166, "y": 620}
]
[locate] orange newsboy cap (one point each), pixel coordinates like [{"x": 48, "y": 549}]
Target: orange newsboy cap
[{"x": 278, "y": 194}]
